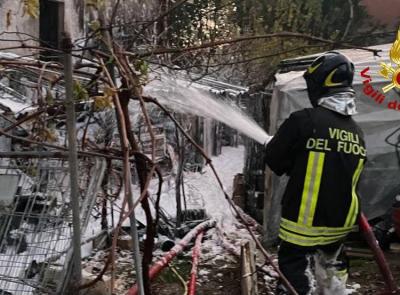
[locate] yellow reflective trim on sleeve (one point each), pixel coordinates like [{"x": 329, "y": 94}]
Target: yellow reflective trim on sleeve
[
  {"x": 317, "y": 184},
  {"x": 308, "y": 241},
  {"x": 352, "y": 215},
  {"x": 313, "y": 230},
  {"x": 312, "y": 182}
]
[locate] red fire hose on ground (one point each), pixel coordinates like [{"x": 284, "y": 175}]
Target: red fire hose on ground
[
  {"x": 365, "y": 228},
  {"x": 157, "y": 267},
  {"x": 195, "y": 262}
]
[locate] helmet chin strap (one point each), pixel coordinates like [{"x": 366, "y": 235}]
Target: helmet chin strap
[{"x": 332, "y": 91}]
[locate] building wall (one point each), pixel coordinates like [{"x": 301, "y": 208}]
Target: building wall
[
  {"x": 14, "y": 20},
  {"x": 74, "y": 18}
]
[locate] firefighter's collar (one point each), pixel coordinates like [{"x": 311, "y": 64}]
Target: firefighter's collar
[{"x": 342, "y": 103}]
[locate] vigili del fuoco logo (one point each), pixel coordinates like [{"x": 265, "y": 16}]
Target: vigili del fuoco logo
[{"x": 389, "y": 71}]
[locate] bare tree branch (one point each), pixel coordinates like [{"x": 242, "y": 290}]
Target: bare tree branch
[
  {"x": 217, "y": 43},
  {"x": 351, "y": 16}
]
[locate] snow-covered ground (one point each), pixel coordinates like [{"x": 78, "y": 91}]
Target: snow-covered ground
[{"x": 203, "y": 190}]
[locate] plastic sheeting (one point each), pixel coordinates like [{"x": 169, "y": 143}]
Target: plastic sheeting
[{"x": 380, "y": 181}]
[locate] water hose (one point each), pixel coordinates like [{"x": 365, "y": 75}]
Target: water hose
[
  {"x": 158, "y": 266},
  {"x": 195, "y": 262},
  {"x": 365, "y": 228}
]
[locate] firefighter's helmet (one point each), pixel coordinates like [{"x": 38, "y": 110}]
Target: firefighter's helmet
[{"x": 331, "y": 72}]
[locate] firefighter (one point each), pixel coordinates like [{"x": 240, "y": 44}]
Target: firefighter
[{"x": 323, "y": 152}]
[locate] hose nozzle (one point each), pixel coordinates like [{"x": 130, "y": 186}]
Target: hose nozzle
[{"x": 267, "y": 140}]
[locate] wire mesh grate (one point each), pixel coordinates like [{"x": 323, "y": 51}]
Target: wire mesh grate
[{"x": 36, "y": 221}]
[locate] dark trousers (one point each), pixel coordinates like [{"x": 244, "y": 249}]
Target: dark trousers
[{"x": 296, "y": 263}]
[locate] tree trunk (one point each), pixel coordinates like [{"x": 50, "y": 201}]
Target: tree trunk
[{"x": 141, "y": 168}]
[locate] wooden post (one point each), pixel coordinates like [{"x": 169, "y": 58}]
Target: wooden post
[
  {"x": 272, "y": 208},
  {"x": 248, "y": 271},
  {"x": 267, "y": 210}
]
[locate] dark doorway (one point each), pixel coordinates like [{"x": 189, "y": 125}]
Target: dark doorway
[{"x": 51, "y": 27}]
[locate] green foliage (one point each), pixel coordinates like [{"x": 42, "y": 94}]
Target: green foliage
[
  {"x": 326, "y": 19},
  {"x": 95, "y": 26},
  {"x": 199, "y": 21},
  {"x": 31, "y": 8},
  {"x": 80, "y": 93},
  {"x": 142, "y": 71},
  {"x": 142, "y": 67},
  {"x": 95, "y": 3}
]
